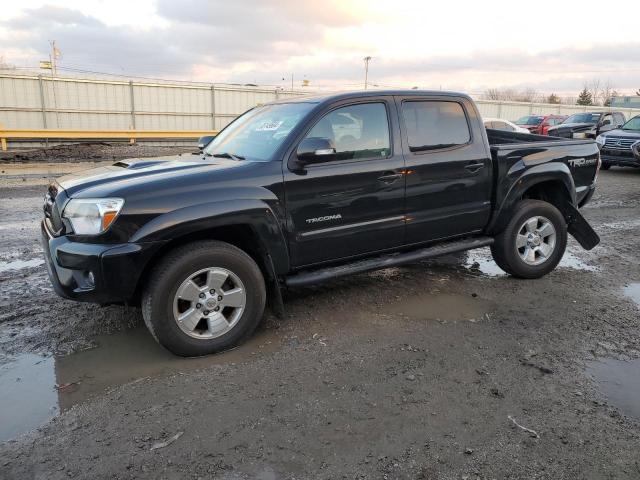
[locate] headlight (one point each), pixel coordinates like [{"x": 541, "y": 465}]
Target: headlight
[
  {"x": 91, "y": 216},
  {"x": 600, "y": 139},
  {"x": 580, "y": 135}
]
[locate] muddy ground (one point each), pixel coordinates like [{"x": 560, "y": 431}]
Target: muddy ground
[
  {"x": 92, "y": 152},
  {"x": 441, "y": 370}
]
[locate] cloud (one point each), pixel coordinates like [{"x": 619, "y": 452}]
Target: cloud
[{"x": 260, "y": 41}]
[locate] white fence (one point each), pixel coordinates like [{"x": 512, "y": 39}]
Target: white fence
[
  {"x": 32, "y": 101},
  {"x": 41, "y": 101}
]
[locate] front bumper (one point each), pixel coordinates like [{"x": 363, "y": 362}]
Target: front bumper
[
  {"x": 95, "y": 273},
  {"x": 620, "y": 159}
]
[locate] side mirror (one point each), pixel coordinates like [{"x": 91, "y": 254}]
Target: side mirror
[
  {"x": 606, "y": 122},
  {"x": 204, "y": 141},
  {"x": 316, "y": 150}
]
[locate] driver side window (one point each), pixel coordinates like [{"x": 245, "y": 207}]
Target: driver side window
[{"x": 357, "y": 131}]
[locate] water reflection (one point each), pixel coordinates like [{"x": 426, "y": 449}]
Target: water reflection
[{"x": 33, "y": 389}]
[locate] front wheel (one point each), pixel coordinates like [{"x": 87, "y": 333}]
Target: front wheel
[
  {"x": 533, "y": 242},
  {"x": 605, "y": 166},
  {"x": 203, "y": 298}
]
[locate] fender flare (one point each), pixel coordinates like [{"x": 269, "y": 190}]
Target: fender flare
[
  {"x": 254, "y": 213},
  {"x": 547, "y": 172}
]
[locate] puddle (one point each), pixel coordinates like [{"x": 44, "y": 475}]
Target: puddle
[
  {"x": 120, "y": 358},
  {"x": 20, "y": 264},
  {"x": 619, "y": 382},
  {"x": 570, "y": 260},
  {"x": 480, "y": 262},
  {"x": 28, "y": 396},
  {"x": 443, "y": 307},
  {"x": 633, "y": 292}
]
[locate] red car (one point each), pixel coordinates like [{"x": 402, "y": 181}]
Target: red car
[{"x": 540, "y": 124}]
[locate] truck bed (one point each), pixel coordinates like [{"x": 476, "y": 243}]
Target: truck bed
[
  {"x": 503, "y": 139},
  {"x": 512, "y": 153}
]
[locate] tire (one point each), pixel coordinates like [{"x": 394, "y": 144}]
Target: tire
[
  {"x": 541, "y": 252},
  {"x": 605, "y": 166},
  {"x": 190, "y": 326}
]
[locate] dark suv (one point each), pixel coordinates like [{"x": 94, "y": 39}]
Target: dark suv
[
  {"x": 587, "y": 124},
  {"x": 621, "y": 146}
]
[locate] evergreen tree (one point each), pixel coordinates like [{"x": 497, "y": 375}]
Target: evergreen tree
[
  {"x": 553, "y": 98},
  {"x": 585, "y": 97}
]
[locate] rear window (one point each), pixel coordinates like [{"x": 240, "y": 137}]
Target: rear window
[
  {"x": 435, "y": 124},
  {"x": 530, "y": 120}
]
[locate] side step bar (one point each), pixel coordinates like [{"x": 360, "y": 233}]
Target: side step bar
[{"x": 390, "y": 260}]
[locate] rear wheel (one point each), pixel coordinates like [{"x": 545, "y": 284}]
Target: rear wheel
[
  {"x": 533, "y": 242},
  {"x": 203, "y": 298}
]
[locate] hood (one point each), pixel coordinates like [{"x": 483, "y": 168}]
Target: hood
[
  {"x": 576, "y": 127},
  {"x": 140, "y": 171},
  {"x": 619, "y": 133}
]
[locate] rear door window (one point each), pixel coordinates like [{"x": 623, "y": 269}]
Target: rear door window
[{"x": 432, "y": 125}]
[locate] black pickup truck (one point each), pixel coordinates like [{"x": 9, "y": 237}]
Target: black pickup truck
[{"x": 300, "y": 191}]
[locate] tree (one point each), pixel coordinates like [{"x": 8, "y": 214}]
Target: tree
[
  {"x": 553, "y": 98},
  {"x": 607, "y": 101},
  {"x": 606, "y": 93},
  {"x": 585, "y": 97}
]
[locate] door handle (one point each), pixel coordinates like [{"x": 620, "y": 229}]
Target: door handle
[
  {"x": 389, "y": 177},
  {"x": 474, "y": 167}
]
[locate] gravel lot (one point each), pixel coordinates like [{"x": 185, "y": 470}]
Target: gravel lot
[{"x": 446, "y": 369}]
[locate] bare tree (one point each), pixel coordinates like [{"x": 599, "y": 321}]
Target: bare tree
[
  {"x": 553, "y": 98},
  {"x": 593, "y": 88},
  {"x": 528, "y": 95},
  {"x": 492, "y": 94},
  {"x": 606, "y": 93},
  {"x": 509, "y": 94}
]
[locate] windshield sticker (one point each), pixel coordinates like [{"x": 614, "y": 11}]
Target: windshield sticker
[{"x": 269, "y": 126}]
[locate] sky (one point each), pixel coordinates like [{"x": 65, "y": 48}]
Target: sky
[{"x": 463, "y": 45}]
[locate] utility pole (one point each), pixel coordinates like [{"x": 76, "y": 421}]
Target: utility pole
[
  {"x": 53, "y": 56},
  {"x": 366, "y": 70}
]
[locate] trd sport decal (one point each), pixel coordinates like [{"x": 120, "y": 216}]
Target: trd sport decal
[{"x": 582, "y": 162}]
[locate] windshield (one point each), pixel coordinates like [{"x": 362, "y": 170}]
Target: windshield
[
  {"x": 530, "y": 120},
  {"x": 633, "y": 124},
  {"x": 583, "y": 118},
  {"x": 258, "y": 133}
]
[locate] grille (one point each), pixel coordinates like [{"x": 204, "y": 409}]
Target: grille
[{"x": 620, "y": 144}]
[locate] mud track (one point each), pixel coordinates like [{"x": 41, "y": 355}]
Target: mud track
[{"x": 438, "y": 370}]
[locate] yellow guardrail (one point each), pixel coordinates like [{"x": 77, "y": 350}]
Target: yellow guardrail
[{"x": 131, "y": 135}]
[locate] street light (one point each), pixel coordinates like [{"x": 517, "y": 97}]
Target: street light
[{"x": 366, "y": 70}]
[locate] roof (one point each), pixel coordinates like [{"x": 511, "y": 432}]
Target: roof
[{"x": 333, "y": 96}]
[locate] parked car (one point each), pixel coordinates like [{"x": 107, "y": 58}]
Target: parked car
[
  {"x": 587, "y": 124},
  {"x": 621, "y": 146},
  {"x": 505, "y": 125},
  {"x": 278, "y": 201},
  {"x": 539, "y": 124}
]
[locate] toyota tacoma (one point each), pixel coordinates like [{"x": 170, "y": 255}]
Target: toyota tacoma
[{"x": 304, "y": 190}]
